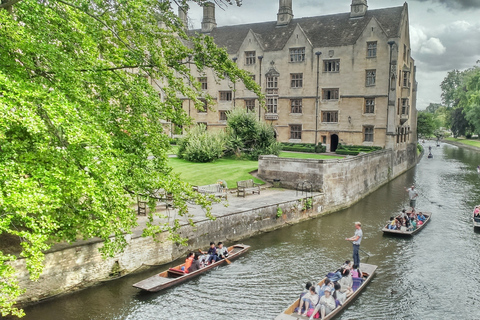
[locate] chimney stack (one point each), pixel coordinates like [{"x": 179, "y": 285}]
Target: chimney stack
[
  {"x": 285, "y": 12},
  {"x": 358, "y": 8},
  {"x": 182, "y": 14},
  {"x": 208, "y": 22}
]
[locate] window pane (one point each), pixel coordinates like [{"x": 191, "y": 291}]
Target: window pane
[{"x": 296, "y": 105}]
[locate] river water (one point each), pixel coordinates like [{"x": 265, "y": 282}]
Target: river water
[{"x": 434, "y": 275}]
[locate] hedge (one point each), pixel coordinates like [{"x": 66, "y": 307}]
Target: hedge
[{"x": 303, "y": 147}]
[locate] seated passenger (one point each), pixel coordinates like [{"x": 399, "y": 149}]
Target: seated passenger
[
  {"x": 338, "y": 295},
  {"x": 195, "y": 264},
  {"x": 308, "y": 301},
  {"x": 356, "y": 273},
  {"x": 306, "y": 290},
  {"x": 413, "y": 223},
  {"x": 321, "y": 289},
  {"x": 326, "y": 304},
  {"x": 222, "y": 252},
  {"x": 392, "y": 224},
  {"x": 421, "y": 217},
  {"x": 346, "y": 283},
  {"x": 188, "y": 262},
  {"x": 476, "y": 211},
  {"x": 212, "y": 253}
]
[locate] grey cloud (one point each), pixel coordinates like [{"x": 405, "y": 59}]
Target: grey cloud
[
  {"x": 462, "y": 48},
  {"x": 456, "y": 4}
]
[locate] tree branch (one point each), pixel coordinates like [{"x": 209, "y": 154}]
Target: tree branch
[{"x": 8, "y": 4}]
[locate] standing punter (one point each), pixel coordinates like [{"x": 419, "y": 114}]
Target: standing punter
[
  {"x": 356, "y": 239},
  {"x": 412, "y": 194}
]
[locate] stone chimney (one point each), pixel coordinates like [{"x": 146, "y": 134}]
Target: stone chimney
[
  {"x": 182, "y": 14},
  {"x": 358, "y": 8},
  {"x": 285, "y": 12},
  {"x": 208, "y": 22}
]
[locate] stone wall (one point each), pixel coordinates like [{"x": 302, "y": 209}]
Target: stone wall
[
  {"x": 73, "y": 267},
  {"x": 343, "y": 181}
]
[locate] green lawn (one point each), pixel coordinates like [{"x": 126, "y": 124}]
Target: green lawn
[
  {"x": 230, "y": 170},
  {"x": 199, "y": 174},
  {"x": 475, "y": 143},
  {"x": 299, "y": 155}
]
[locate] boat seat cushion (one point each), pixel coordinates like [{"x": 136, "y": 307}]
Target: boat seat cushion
[
  {"x": 357, "y": 282},
  {"x": 176, "y": 271}
]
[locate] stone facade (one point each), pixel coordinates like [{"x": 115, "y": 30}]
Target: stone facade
[{"x": 361, "y": 61}]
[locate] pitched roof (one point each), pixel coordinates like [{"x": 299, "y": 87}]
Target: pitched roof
[{"x": 323, "y": 31}]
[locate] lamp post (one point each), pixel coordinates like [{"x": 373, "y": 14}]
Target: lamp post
[
  {"x": 234, "y": 83},
  {"x": 318, "y": 53},
  {"x": 390, "y": 43},
  {"x": 260, "y": 58}
]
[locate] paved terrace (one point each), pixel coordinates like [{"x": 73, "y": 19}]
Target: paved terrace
[{"x": 234, "y": 204}]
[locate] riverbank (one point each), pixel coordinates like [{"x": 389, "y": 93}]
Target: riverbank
[{"x": 464, "y": 143}]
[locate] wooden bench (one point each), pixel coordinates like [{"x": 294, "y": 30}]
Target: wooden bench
[
  {"x": 213, "y": 189},
  {"x": 245, "y": 186}
]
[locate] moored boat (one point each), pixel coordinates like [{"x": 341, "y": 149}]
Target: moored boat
[
  {"x": 368, "y": 270},
  {"x": 408, "y": 232},
  {"x": 175, "y": 275}
]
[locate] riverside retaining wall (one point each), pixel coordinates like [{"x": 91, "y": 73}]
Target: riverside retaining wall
[
  {"x": 73, "y": 267},
  {"x": 343, "y": 181}
]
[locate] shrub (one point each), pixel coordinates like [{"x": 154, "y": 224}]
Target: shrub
[
  {"x": 200, "y": 145},
  {"x": 249, "y": 137}
]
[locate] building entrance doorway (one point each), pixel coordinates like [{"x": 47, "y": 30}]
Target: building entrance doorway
[{"x": 333, "y": 142}]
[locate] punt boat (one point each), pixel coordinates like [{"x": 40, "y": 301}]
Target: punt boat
[
  {"x": 175, "y": 275},
  {"x": 368, "y": 270},
  {"x": 406, "y": 232}
]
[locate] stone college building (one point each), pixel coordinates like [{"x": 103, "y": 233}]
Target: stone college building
[{"x": 344, "y": 78}]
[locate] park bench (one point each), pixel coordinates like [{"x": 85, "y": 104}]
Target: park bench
[
  {"x": 216, "y": 190},
  {"x": 245, "y": 186}
]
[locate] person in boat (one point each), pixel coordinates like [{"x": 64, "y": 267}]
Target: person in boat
[
  {"x": 338, "y": 295},
  {"x": 188, "y": 262},
  {"x": 308, "y": 301},
  {"x": 222, "y": 252},
  {"x": 211, "y": 254},
  {"x": 413, "y": 224},
  {"x": 346, "y": 282},
  {"x": 355, "y": 272},
  {"x": 392, "y": 225},
  {"x": 326, "y": 305},
  {"x": 476, "y": 212},
  {"x": 196, "y": 265},
  {"x": 412, "y": 194},
  {"x": 321, "y": 289},
  {"x": 420, "y": 218},
  {"x": 356, "y": 240}
]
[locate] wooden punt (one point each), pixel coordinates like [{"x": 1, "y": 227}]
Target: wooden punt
[
  {"x": 368, "y": 270},
  {"x": 427, "y": 215},
  {"x": 175, "y": 275}
]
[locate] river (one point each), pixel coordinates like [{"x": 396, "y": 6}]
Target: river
[{"x": 434, "y": 275}]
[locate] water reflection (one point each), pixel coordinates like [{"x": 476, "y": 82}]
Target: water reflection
[{"x": 431, "y": 276}]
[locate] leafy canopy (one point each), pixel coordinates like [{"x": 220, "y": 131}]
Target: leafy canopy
[{"x": 84, "y": 86}]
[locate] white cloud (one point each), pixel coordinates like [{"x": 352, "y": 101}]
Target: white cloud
[{"x": 433, "y": 46}]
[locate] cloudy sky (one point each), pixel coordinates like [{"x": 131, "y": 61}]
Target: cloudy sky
[{"x": 445, "y": 34}]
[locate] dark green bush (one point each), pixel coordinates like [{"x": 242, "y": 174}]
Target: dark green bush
[
  {"x": 249, "y": 137},
  {"x": 347, "y": 152}
]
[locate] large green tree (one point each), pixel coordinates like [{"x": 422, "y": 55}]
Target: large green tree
[
  {"x": 84, "y": 85},
  {"x": 426, "y": 125}
]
